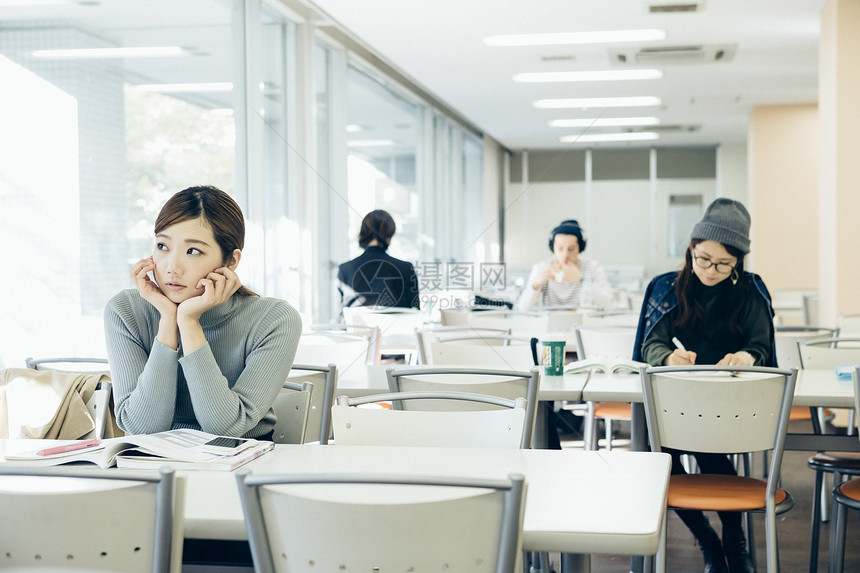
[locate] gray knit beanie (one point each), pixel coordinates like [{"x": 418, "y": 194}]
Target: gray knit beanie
[{"x": 725, "y": 221}]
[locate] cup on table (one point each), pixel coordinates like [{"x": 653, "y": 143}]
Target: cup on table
[{"x": 553, "y": 356}]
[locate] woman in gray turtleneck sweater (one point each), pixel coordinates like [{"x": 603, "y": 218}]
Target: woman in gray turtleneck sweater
[{"x": 190, "y": 347}]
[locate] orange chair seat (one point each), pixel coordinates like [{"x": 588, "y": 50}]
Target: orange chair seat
[
  {"x": 710, "y": 492},
  {"x": 799, "y": 413},
  {"x": 851, "y": 489},
  {"x": 612, "y": 410},
  {"x": 849, "y": 460}
]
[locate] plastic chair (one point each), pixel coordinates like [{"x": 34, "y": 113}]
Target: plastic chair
[
  {"x": 291, "y": 407},
  {"x": 324, "y": 380},
  {"x": 520, "y": 323},
  {"x": 500, "y": 428},
  {"x": 846, "y": 494},
  {"x": 849, "y": 324},
  {"x": 99, "y": 402},
  {"x": 708, "y": 409},
  {"x": 508, "y": 384},
  {"x": 91, "y": 520},
  {"x": 396, "y": 334},
  {"x": 424, "y": 336},
  {"x": 608, "y": 342},
  {"x": 350, "y": 352},
  {"x": 485, "y": 350},
  {"x": 382, "y": 523}
]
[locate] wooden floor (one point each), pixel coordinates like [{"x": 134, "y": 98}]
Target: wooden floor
[{"x": 793, "y": 528}]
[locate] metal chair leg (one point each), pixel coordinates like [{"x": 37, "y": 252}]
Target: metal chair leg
[{"x": 816, "y": 523}]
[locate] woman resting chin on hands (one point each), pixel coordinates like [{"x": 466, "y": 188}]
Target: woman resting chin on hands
[{"x": 189, "y": 346}]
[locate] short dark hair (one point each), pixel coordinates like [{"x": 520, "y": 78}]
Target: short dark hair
[
  {"x": 377, "y": 225},
  {"x": 219, "y": 210}
]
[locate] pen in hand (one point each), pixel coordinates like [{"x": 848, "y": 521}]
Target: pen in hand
[
  {"x": 70, "y": 447},
  {"x": 678, "y": 344}
]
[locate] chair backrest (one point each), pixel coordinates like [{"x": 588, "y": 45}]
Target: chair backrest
[
  {"x": 786, "y": 337},
  {"x": 849, "y": 324},
  {"x": 829, "y": 352},
  {"x": 612, "y": 317},
  {"x": 396, "y": 326},
  {"x": 424, "y": 336},
  {"x": 350, "y": 352},
  {"x": 520, "y": 323},
  {"x": 809, "y": 308},
  {"x": 510, "y": 384},
  {"x": 99, "y": 402},
  {"x": 498, "y": 351},
  {"x": 70, "y": 364},
  {"x": 65, "y": 518},
  {"x": 711, "y": 409},
  {"x": 291, "y": 407},
  {"x": 324, "y": 380},
  {"x": 358, "y": 426},
  {"x": 605, "y": 342},
  {"x": 418, "y": 523}
]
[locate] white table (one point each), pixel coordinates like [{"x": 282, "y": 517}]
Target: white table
[{"x": 577, "y": 502}]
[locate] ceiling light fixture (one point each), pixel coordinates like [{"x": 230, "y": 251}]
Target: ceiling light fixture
[
  {"x": 605, "y": 122},
  {"x": 595, "y": 137},
  {"x": 590, "y": 102},
  {"x": 105, "y": 53},
  {"x": 560, "y": 39},
  {"x": 183, "y": 88},
  {"x": 592, "y": 76}
]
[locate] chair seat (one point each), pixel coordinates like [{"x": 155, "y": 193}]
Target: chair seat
[
  {"x": 612, "y": 410},
  {"x": 830, "y": 461},
  {"x": 710, "y": 492},
  {"x": 851, "y": 490},
  {"x": 801, "y": 413}
]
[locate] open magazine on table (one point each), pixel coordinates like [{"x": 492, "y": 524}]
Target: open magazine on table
[
  {"x": 181, "y": 449},
  {"x": 607, "y": 367}
]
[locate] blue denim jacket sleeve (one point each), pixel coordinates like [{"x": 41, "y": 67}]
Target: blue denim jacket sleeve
[{"x": 660, "y": 299}]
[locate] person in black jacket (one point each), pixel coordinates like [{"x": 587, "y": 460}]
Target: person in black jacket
[{"x": 376, "y": 278}]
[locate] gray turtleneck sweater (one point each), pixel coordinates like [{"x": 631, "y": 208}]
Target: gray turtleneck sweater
[{"x": 225, "y": 387}]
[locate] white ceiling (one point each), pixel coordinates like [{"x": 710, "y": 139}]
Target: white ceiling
[{"x": 439, "y": 44}]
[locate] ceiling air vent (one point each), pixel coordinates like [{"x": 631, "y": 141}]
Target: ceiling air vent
[
  {"x": 675, "y": 7},
  {"x": 662, "y": 55}
]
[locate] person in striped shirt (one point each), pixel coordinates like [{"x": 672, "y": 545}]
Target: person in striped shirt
[{"x": 567, "y": 279}]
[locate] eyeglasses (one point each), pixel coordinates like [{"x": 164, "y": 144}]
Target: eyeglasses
[{"x": 705, "y": 263}]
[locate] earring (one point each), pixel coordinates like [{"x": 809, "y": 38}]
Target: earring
[{"x": 735, "y": 276}]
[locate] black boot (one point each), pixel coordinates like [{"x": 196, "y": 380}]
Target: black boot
[
  {"x": 737, "y": 555},
  {"x": 707, "y": 539}
]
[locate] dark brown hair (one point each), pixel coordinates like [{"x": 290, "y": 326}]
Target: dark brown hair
[
  {"x": 218, "y": 209},
  {"x": 377, "y": 225},
  {"x": 691, "y": 318}
]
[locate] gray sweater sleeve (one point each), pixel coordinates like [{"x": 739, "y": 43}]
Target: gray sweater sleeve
[{"x": 143, "y": 372}]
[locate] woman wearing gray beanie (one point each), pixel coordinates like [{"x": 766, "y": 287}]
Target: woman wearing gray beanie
[{"x": 723, "y": 315}]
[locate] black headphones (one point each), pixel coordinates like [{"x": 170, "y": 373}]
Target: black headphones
[{"x": 569, "y": 227}]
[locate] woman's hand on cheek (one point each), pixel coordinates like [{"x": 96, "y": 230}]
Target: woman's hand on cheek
[
  {"x": 148, "y": 289},
  {"x": 218, "y": 286}
]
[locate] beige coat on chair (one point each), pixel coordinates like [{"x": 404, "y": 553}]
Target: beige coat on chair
[{"x": 48, "y": 404}]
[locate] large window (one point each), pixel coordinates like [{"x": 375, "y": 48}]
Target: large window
[
  {"x": 97, "y": 141},
  {"x": 383, "y": 131}
]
